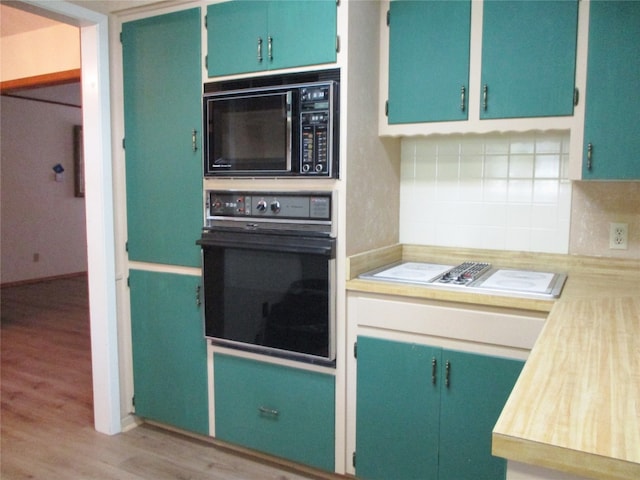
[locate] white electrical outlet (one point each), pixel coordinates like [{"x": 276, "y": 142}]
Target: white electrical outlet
[{"x": 618, "y": 235}]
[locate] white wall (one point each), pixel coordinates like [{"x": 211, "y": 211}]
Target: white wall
[
  {"x": 39, "y": 215},
  {"x": 495, "y": 191}
]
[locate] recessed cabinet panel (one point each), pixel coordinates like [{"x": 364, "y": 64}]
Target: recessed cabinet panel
[
  {"x": 528, "y": 58},
  {"x": 162, "y": 97},
  {"x": 169, "y": 350},
  {"x": 283, "y": 411},
  {"x": 612, "y": 133},
  {"x": 428, "y": 61}
]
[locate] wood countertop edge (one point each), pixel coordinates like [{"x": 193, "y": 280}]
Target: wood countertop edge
[
  {"x": 427, "y": 293},
  {"x": 563, "y": 459},
  {"x": 514, "y": 440}
]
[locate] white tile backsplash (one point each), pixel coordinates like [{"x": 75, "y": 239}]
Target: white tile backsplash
[{"x": 486, "y": 191}]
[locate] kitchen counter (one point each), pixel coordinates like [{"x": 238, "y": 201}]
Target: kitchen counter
[{"x": 576, "y": 405}]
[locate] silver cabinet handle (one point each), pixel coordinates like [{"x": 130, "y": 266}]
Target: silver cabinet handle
[
  {"x": 463, "y": 98},
  {"x": 485, "y": 96},
  {"x": 259, "y": 49},
  {"x": 270, "y": 47},
  {"x": 589, "y": 155},
  {"x": 268, "y": 411},
  {"x": 194, "y": 140},
  {"x": 447, "y": 370},
  {"x": 434, "y": 370}
]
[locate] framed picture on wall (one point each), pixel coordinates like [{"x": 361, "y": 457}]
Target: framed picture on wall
[{"x": 78, "y": 160}]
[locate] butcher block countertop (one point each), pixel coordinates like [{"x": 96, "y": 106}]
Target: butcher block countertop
[{"x": 576, "y": 405}]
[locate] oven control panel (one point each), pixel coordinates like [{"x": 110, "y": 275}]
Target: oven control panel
[{"x": 274, "y": 205}]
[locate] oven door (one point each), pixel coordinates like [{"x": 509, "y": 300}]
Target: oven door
[{"x": 270, "y": 293}]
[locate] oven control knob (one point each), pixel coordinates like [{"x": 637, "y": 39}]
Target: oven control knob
[
  {"x": 275, "y": 206},
  {"x": 261, "y": 205}
]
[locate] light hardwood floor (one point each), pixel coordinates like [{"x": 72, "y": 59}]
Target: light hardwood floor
[{"x": 47, "y": 414}]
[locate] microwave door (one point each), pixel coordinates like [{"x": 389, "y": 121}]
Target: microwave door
[{"x": 250, "y": 133}]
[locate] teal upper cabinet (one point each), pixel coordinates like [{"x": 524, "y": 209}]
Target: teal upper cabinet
[
  {"x": 427, "y": 412},
  {"x": 251, "y": 36},
  {"x": 162, "y": 114},
  {"x": 612, "y": 129},
  {"x": 528, "y": 58},
  {"x": 169, "y": 350},
  {"x": 428, "y": 60},
  {"x": 236, "y": 37},
  {"x": 304, "y": 32}
]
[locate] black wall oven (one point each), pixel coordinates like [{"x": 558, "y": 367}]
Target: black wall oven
[{"x": 269, "y": 274}]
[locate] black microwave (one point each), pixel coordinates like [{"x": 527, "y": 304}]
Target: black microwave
[{"x": 274, "y": 126}]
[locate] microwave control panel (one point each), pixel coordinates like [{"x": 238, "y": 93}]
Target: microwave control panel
[{"x": 315, "y": 122}]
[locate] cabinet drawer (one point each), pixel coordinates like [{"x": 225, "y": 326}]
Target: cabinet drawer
[{"x": 279, "y": 410}]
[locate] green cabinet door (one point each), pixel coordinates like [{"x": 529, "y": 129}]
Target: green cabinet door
[
  {"x": 427, "y": 413},
  {"x": 304, "y": 32},
  {"x": 472, "y": 398},
  {"x": 528, "y": 58},
  {"x": 169, "y": 350},
  {"x": 249, "y": 36},
  {"x": 428, "y": 60},
  {"x": 236, "y": 37},
  {"x": 397, "y": 416},
  {"x": 612, "y": 129},
  {"x": 162, "y": 114},
  {"x": 283, "y": 411}
]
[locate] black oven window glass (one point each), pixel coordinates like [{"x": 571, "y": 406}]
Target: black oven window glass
[
  {"x": 272, "y": 300},
  {"x": 249, "y": 133}
]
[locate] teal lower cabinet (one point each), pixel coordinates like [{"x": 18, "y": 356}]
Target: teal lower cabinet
[
  {"x": 283, "y": 411},
  {"x": 427, "y": 413},
  {"x": 169, "y": 350},
  {"x": 397, "y": 423},
  {"x": 478, "y": 388}
]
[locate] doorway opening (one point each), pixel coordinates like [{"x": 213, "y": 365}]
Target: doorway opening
[{"x": 99, "y": 225}]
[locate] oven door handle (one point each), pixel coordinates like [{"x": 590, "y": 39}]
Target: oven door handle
[{"x": 264, "y": 241}]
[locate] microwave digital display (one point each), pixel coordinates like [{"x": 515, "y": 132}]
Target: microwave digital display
[{"x": 281, "y": 126}]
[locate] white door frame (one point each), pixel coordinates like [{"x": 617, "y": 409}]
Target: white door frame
[{"x": 96, "y": 120}]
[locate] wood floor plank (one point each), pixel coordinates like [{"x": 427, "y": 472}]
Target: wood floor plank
[{"x": 46, "y": 417}]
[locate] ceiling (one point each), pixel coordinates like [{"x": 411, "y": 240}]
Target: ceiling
[
  {"x": 15, "y": 17},
  {"x": 111, "y": 6},
  {"x": 14, "y": 21}
]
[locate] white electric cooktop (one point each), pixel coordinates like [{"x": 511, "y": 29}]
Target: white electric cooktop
[
  {"x": 413, "y": 272},
  {"x": 519, "y": 280},
  {"x": 475, "y": 276}
]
